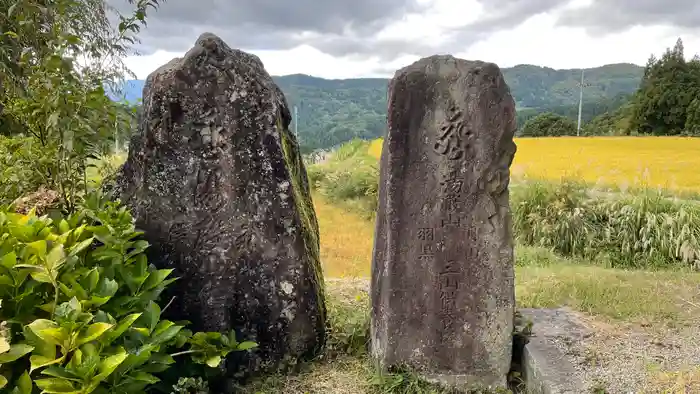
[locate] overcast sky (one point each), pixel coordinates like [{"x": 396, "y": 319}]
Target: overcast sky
[{"x": 363, "y": 38}]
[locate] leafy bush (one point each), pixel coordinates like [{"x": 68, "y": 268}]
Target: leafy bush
[
  {"x": 641, "y": 230},
  {"x": 548, "y": 124},
  {"x": 79, "y": 309}
]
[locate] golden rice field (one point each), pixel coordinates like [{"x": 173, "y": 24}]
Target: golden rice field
[{"x": 626, "y": 162}]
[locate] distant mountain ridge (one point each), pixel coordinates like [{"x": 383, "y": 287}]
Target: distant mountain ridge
[{"x": 331, "y": 111}]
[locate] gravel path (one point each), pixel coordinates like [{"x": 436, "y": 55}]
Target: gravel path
[{"x": 621, "y": 358}]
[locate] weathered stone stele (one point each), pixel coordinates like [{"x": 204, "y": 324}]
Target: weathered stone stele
[
  {"x": 442, "y": 270},
  {"x": 215, "y": 180}
]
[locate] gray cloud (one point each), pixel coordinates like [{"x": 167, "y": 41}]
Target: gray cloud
[
  {"x": 503, "y": 14},
  {"x": 610, "y": 16},
  {"x": 349, "y": 27},
  {"x": 269, "y": 24},
  {"x": 337, "y": 27}
]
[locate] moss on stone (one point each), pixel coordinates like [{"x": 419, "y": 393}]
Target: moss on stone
[{"x": 304, "y": 203}]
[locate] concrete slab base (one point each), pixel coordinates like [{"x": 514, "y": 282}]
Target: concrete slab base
[{"x": 546, "y": 368}]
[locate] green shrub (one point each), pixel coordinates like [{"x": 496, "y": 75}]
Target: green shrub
[
  {"x": 548, "y": 124},
  {"x": 79, "y": 309}
]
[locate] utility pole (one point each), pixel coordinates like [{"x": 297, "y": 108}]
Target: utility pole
[
  {"x": 580, "y": 103},
  {"x": 296, "y": 122}
]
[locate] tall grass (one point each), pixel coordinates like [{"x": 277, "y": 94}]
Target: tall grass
[
  {"x": 350, "y": 176},
  {"x": 644, "y": 230}
]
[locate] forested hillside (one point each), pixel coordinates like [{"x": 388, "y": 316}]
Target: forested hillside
[{"x": 334, "y": 111}]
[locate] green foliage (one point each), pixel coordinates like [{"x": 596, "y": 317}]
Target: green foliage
[
  {"x": 668, "y": 88},
  {"x": 348, "y": 326},
  {"x": 55, "y": 57},
  {"x": 79, "y": 306},
  {"x": 331, "y": 112},
  {"x": 692, "y": 120},
  {"x": 350, "y": 175},
  {"x": 403, "y": 381},
  {"x": 548, "y": 124},
  {"x": 644, "y": 230},
  {"x": 191, "y": 386},
  {"x": 24, "y": 166},
  {"x": 610, "y": 123},
  {"x": 590, "y": 109}
]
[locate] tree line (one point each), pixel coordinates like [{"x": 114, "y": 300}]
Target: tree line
[{"x": 667, "y": 102}]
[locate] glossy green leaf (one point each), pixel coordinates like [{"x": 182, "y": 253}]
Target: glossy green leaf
[
  {"x": 6, "y": 280},
  {"x": 144, "y": 377},
  {"x": 38, "y": 248},
  {"x": 155, "y": 278},
  {"x": 55, "y": 385},
  {"x": 63, "y": 226},
  {"x": 111, "y": 363},
  {"x": 81, "y": 246},
  {"x": 48, "y": 331},
  {"x": 16, "y": 351},
  {"x": 56, "y": 257},
  {"x": 93, "y": 279},
  {"x": 9, "y": 260},
  {"x": 24, "y": 384},
  {"x": 247, "y": 345},
  {"x": 123, "y": 325},
  {"x": 166, "y": 335},
  {"x": 214, "y": 361},
  {"x": 60, "y": 372},
  {"x": 41, "y": 276},
  {"x": 151, "y": 316},
  {"x": 93, "y": 332},
  {"x": 37, "y": 362}
]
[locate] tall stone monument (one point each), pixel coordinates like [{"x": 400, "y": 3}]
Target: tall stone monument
[
  {"x": 215, "y": 180},
  {"x": 442, "y": 272}
]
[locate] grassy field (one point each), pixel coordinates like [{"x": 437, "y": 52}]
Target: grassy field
[{"x": 627, "y": 162}]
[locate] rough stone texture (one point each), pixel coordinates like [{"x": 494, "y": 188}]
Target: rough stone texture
[
  {"x": 546, "y": 368},
  {"x": 442, "y": 272},
  {"x": 215, "y": 180}
]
